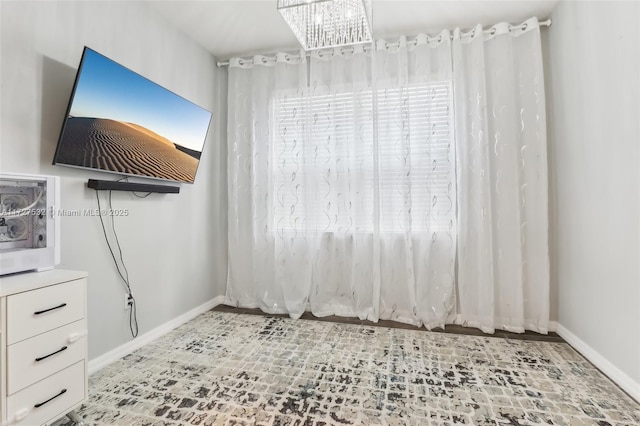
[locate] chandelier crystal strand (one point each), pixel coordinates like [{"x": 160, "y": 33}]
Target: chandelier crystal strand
[{"x": 319, "y": 24}]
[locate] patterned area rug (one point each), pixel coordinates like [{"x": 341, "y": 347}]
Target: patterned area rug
[{"x": 232, "y": 369}]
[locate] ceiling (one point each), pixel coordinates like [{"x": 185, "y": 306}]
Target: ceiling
[{"x": 229, "y": 28}]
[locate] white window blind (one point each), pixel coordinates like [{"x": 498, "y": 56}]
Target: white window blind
[{"x": 324, "y": 159}]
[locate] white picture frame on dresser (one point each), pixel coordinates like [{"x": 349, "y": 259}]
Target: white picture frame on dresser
[{"x": 43, "y": 346}]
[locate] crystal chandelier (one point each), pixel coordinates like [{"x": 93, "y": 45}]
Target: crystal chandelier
[{"x": 319, "y": 24}]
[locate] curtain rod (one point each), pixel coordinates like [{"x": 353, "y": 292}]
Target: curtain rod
[{"x": 546, "y": 23}]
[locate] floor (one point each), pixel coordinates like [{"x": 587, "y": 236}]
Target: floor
[
  {"x": 451, "y": 329},
  {"x": 226, "y": 368}
]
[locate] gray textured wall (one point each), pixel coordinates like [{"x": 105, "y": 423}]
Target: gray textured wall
[
  {"x": 593, "y": 100},
  {"x": 174, "y": 245}
]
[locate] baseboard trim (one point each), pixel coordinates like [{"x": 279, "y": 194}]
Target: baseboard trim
[
  {"x": 115, "y": 354},
  {"x": 620, "y": 378},
  {"x": 553, "y": 326}
]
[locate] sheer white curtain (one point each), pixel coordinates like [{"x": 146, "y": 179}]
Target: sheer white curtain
[
  {"x": 266, "y": 270},
  {"x": 417, "y": 191},
  {"x": 503, "y": 262},
  {"x": 382, "y": 150},
  {"x": 341, "y": 192},
  {"x": 356, "y": 191}
]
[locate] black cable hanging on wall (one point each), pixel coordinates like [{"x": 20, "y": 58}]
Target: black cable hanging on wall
[{"x": 133, "y": 319}]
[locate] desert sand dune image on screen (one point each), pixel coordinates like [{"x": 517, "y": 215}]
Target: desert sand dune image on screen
[{"x": 126, "y": 148}]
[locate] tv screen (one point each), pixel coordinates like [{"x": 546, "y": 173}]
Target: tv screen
[{"x": 118, "y": 121}]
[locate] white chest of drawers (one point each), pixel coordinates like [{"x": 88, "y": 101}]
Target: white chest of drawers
[{"x": 43, "y": 346}]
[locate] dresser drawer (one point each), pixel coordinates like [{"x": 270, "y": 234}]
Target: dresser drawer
[
  {"x": 40, "y": 356},
  {"x": 34, "y": 312},
  {"x": 49, "y": 398}
]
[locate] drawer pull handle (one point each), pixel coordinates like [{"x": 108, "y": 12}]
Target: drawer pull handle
[
  {"x": 20, "y": 414},
  {"x": 75, "y": 336},
  {"x": 40, "y": 404},
  {"x": 50, "y": 309},
  {"x": 64, "y": 348}
]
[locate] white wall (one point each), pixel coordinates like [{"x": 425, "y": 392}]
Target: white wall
[
  {"x": 173, "y": 244},
  {"x": 594, "y": 138}
]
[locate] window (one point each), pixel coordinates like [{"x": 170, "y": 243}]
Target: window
[{"x": 324, "y": 162}]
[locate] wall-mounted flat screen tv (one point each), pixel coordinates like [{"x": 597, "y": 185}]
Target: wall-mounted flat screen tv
[{"x": 118, "y": 121}]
